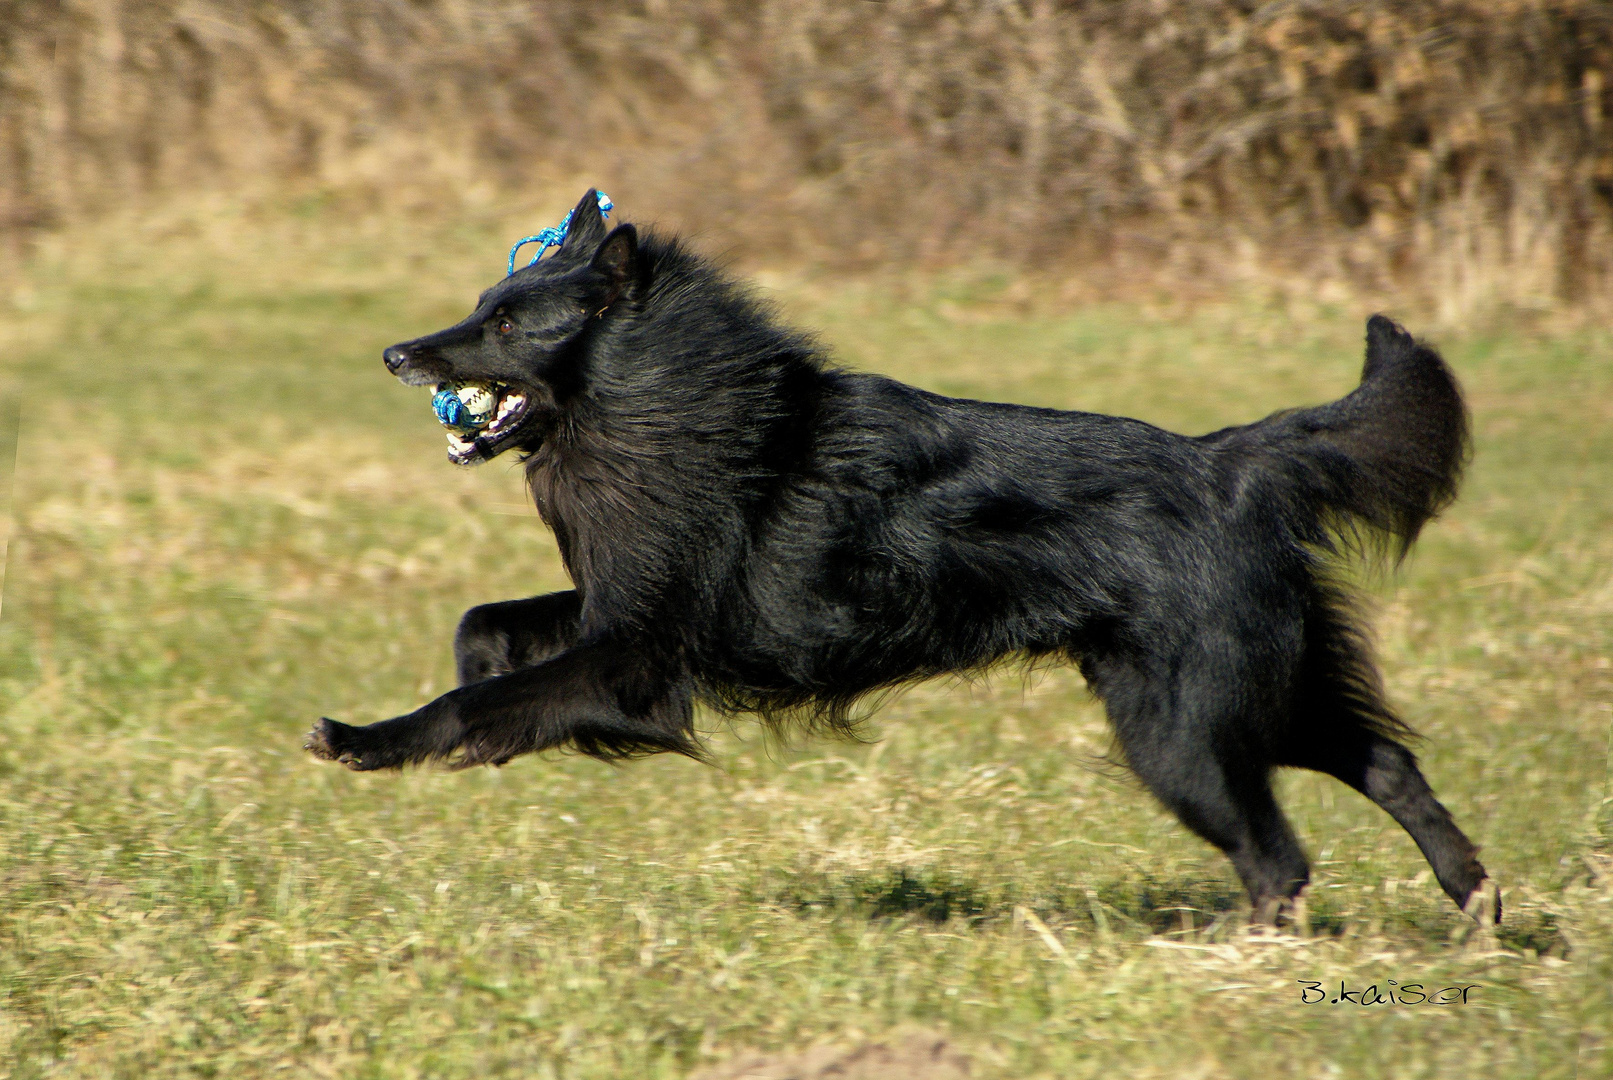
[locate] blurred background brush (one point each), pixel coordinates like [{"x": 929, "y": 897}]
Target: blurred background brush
[{"x": 1456, "y": 151}]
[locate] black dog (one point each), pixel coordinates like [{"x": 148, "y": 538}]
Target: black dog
[{"x": 750, "y": 527}]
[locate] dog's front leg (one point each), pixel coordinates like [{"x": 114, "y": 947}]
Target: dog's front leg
[
  {"x": 603, "y": 698},
  {"x": 495, "y": 639},
  {"x": 430, "y": 732}
]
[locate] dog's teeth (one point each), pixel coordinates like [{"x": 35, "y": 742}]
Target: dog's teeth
[{"x": 506, "y": 407}]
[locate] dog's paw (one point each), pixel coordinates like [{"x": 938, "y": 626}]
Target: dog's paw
[
  {"x": 333, "y": 741},
  {"x": 1297, "y": 913},
  {"x": 1292, "y": 913},
  {"x": 1484, "y": 904}
]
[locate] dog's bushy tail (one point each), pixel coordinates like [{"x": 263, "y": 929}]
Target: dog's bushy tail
[
  {"x": 1377, "y": 464},
  {"x": 1367, "y": 471}
]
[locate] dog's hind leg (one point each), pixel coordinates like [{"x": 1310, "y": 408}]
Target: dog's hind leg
[
  {"x": 1387, "y": 773},
  {"x": 495, "y": 639},
  {"x": 1185, "y": 738},
  {"x": 1341, "y": 725}
]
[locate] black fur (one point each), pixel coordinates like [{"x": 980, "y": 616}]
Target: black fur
[{"x": 750, "y": 527}]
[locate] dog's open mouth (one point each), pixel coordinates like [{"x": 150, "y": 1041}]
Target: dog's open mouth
[{"x": 481, "y": 418}]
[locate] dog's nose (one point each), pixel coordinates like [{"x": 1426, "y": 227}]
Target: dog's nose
[{"x": 394, "y": 357}]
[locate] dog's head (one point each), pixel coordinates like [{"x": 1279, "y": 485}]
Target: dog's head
[{"x": 528, "y": 334}]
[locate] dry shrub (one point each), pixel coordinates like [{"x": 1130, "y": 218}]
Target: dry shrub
[{"x": 1457, "y": 148}]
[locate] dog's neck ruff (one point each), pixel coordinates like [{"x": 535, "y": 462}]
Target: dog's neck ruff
[{"x": 556, "y": 235}]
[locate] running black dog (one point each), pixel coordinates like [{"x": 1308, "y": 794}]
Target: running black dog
[{"x": 750, "y": 527}]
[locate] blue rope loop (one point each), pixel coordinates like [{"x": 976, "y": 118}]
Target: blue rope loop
[
  {"x": 555, "y": 236},
  {"x": 449, "y": 409}
]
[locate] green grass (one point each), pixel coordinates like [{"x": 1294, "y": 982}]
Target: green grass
[{"x": 228, "y": 521}]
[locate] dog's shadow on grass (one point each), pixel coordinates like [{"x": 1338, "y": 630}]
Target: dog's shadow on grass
[
  {"x": 1158, "y": 907},
  {"x": 889, "y": 893},
  {"x": 1145, "y": 908},
  {"x": 1136, "y": 908}
]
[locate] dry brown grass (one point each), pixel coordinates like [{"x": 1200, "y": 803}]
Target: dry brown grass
[{"x": 1461, "y": 150}]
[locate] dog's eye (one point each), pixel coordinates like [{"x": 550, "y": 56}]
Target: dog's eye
[{"x": 505, "y": 326}]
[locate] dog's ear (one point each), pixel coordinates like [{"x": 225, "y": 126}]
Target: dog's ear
[
  {"x": 587, "y": 227},
  {"x": 617, "y": 260}
]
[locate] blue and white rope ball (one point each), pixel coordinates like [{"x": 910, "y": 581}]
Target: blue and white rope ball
[{"x": 467, "y": 407}]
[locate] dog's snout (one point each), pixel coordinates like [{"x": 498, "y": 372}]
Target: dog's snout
[{"x": 395, "y": 357}]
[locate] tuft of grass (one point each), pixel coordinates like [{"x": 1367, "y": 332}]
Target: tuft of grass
[{"x": 228, "y": 521}]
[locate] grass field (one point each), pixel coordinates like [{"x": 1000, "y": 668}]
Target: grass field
[{"x": 228, "y": 521}]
